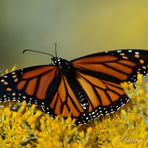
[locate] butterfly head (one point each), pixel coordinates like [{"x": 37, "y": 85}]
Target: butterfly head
[{"x": 60, "y": 63}]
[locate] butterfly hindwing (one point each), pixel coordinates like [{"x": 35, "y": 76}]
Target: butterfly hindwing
[{"x": 104, "y": 97}]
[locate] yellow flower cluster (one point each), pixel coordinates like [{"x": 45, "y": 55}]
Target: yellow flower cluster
[{"x": 29, "y": 127}]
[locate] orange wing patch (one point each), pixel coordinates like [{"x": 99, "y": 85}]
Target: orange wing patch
[
  {"x": 37, "y": 71},
  {"x": 105, "y": 101},
  {"x": 64, "y": 101},
  {"x": 104, "y": 69},
  {"x": 109, "y": 65},
  {"x": 120, "y": 67},
  {"x": 103, "y": 93},
  {"x": 31, "y": 86},
  {"x": 94, "y": 80},
  {"x": 90, "y": 92},
  {"x": 113, "y": 96},
  {"x": 128, "y": 63},
  {"x": 94, "y": 59},
  {"x": 37, "y": 80},
  {"x": 21, "y": 84},
  {"x": 45, "y": 82}
]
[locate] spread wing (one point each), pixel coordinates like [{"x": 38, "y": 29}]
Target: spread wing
[
  {"x": 34, "y": 84},
  {"x": 100, "y": 76}
]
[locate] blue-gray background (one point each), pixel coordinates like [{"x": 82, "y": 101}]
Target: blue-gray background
[{"x": 79, "y": 27}]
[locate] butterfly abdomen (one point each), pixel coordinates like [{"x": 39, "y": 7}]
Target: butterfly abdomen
[{"x": 79, "y": 93}]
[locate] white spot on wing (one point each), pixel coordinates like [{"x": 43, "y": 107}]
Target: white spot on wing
[
  {"x": 129, "y": 50},
  {"x": 119, "y": 51},
  {"x": 136, "y": 52}
]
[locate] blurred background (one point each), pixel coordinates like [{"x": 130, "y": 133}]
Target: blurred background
[{"x": 79, "y": 27}]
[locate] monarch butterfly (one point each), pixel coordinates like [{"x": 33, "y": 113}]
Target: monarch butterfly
[{"x": 85, "y": 88}]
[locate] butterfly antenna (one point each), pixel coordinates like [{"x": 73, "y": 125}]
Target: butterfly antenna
[
  {"x": 56, "y": 50},
  {"x": 30, "y": 50}
]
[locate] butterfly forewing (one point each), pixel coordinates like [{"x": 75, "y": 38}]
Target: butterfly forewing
[
  {"x": 35, "y": 83},
  {"x": 122, "y": 65}
]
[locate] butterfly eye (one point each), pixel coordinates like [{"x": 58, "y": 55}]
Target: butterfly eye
[{"x": 53, "y": 61}]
